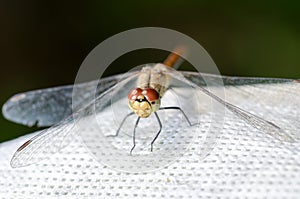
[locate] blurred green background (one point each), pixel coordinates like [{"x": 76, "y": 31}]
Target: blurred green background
[{"x": 44, "y": 42}]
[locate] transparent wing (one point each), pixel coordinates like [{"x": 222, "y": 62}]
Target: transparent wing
[
  {"x": 254, "y": 90},
  {"x": 58, "y": 136},
  {"x": 46, "y": 107},
  {"x": 53, "y": 139},
  {"x": 46, "y": 143},
  {"x": 201, "y": 78}
]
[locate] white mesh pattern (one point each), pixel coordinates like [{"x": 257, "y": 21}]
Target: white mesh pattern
[{"x": 244, "y": 163}]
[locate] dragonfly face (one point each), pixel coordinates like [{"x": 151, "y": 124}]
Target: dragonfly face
[{"x": 144, "y": 101}]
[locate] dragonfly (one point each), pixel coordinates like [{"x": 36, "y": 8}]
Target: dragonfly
[
  {"x": 145, "y": 98},
  {"x": 54, "y": 106}
]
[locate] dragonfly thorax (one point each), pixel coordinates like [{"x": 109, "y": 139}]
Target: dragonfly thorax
[{"x": 144, "y": 101}]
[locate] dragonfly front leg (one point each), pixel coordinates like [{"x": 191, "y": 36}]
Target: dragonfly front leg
[
  {"x": 133, "y": 136},
  {"x": 160, "y": 127},
  {"x": 177, "y": 108},
  {"x": 123, "y": 121}
]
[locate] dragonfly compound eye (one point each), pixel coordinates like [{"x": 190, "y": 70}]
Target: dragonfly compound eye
[
  {"x": 150, "y": 94},
  {"x": 134, "y": 93}
]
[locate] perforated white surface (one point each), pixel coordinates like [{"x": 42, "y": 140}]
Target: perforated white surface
[{"x": 244, "y": 163}]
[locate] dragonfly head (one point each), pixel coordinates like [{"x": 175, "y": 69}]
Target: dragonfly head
[{"x": 144, "y": 101}]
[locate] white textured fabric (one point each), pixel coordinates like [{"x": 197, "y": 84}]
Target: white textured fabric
[{"x": 244, "y": 163}]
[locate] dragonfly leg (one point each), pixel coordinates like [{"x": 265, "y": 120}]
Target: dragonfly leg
[
  {"x": 177, "y": 108},
  {"x": 133, "y": 136},
  {"x": 160, "y": 127},
  {"x": 123, "y": 121}
]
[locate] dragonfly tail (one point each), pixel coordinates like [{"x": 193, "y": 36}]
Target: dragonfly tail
[{"x": 174, "y": 59}]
